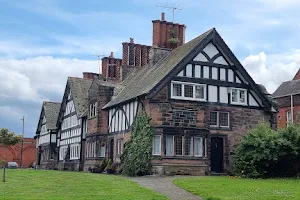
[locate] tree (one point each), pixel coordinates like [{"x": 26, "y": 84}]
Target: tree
[
  {"x": 137, "y": 156},
  {"x": 7, "y": 138}
]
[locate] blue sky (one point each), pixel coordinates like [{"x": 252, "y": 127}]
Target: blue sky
[{"x": 42, "y": 42}]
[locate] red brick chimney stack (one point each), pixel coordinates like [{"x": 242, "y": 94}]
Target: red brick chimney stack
[
  {"x": 111, "y": 67},
  {"x": 161, "y": 33},
  {"x": 163, "y": 16},
  {"x": 297, "y": 75}
]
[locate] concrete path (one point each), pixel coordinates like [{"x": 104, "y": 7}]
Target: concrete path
[{"x": 165, "y": 186}]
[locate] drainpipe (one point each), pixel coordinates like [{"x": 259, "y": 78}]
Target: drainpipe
[{"x": 292, "y": 113}]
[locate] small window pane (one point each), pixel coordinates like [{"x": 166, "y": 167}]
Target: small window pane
[
  {"x": 242, "y": 96},
  {"x": 234, "y": 95},
  {"x": 188, "y": 91},
  {"x": 214, "y": 118},
  {"x": 178, "y": 145},
  {"x": 188, "y": 146},
  {"x": 177, "y": 90},
  {"x": 169, "y": 145},
  {"x": 199, "y": 90},
  {"x": 198, "y": 146},
  {"x": 156, "y": 145},
  {"x": 224, "y": 116}
]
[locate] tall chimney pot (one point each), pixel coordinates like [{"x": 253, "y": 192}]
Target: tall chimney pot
[
  {"x": 131, "y": 40},
  {"x": 162, "y": 16},
  {"x": 111, "y": 54}
]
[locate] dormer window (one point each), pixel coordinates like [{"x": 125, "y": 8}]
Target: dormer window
[{"x": 93, "y": 110}]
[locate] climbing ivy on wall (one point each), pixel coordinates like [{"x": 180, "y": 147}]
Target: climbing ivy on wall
[{"x": 136, "y": 159}]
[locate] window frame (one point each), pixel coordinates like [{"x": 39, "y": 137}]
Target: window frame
[
  {"x": 218, "y": 119},
  {"x": 238, "y": 96},
  {"x": 182, "y": 97},
  {"x": 288, "y": 117},
  {"x": 153, "y": 147},
  {"x": 203, "y": 140}
]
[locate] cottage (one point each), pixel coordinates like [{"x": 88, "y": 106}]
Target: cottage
[
  {"x": 72, "y": 124},
  {"x": 46, "y": 135}
]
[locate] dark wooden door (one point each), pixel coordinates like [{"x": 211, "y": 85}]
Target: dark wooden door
[
  {"x": 216, "y": 155},
  {"x": 111, "y": 155}
]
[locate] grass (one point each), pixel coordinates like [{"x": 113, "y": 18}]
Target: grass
[
  {"x": 42, "y": 184},
  {"x": 225, "y": 188}
]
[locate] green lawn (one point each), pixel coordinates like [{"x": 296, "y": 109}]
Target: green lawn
[
  {"x": 225, "y": 188},
  {"x": 39, "y": 184}
]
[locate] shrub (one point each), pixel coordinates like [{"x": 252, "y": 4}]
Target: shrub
[
  {"x": 137, "y": 156},
  {"x": 267, "y": 153}
]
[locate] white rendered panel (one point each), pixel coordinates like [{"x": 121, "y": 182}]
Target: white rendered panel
[
  {"x": 131, "y": 112},
  {"x": 180, "y": 73},
  {"x": 123, "y": 118},
  {"x": 230, "y": 75},
  {"x": 214, "y": 73},
  {"x": 198, "y": 71},
  {"x": 242, "y": 78},
  {"x": 120, "y": 119},
  {"x": 189, "y": 71},
  {"x": 127, "y": 114},
  {"x": 212, "y": 93},
  {"x": 220, "y": 60},
  {"x": 205, "y": 72},
  {"x": 200, "y": 57},
  {"x": 222, "y": 74},
  {"x": 211, "y": 50},
  {"x": 223, "y": 95},
  {"x": 113, "y": 121},
  {"x": 237, "y": 79},
  {"x": 252, "y": 101}
]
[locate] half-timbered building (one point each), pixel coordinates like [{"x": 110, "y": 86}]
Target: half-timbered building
[
  {"x": 46, "y": 136},
  {"x": 72, "y": 124},
  {"x": 201, "y": 100}
]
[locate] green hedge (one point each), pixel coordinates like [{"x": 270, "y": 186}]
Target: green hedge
[{"x": 267, "y": 153}]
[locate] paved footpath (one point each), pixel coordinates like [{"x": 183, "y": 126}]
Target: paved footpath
[{"x": 165, "y": 186}]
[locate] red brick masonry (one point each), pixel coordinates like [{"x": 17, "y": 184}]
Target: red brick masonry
[{"x": 13, "y": 153}]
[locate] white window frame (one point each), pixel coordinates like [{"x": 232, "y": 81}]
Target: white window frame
[
  {"x": 201, "y": 142},
  {"x": 153, "y": 153},
  {"x": 238, "y": 96},
  {"x": 288, "y": 117},
  {"x": 74, "y": 151},
  {"x": 182, "y": 91},
  {"x": 218, "y": 119}
]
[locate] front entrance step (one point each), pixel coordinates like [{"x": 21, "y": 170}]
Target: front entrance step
[{"x": 218, "y": 174}]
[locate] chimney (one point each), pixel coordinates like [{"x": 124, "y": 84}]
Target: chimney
[
  {"x": 163, "y": 16},
  {"x": 111, "y": 68},
  {"x": 167, "y": 34},
  {"x": 132, "y": 40},
  {"x": 90, "y": 75}
]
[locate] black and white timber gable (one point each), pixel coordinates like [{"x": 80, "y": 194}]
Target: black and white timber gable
[
  {"x": 47, "y": 131},
  {"x": 72, "y": 120},
  {"x": 204, "y": 70}
]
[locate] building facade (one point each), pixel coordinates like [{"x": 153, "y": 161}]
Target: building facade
[
  {"x": 72, "y": 124},
  {"x": 287, "y": 97},
  {"x": 46, "y": 136}
]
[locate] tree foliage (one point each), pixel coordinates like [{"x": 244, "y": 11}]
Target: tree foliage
[
  {"x": 267, "y": 153},
  {"x": 137, "y": 156},
  {"x": 7, "y": 138}
]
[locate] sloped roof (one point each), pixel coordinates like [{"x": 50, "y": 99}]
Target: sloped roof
[
  {"x": 287, "y": 88},
  {"x": 79, "y": 88},
  {"x": 144, "y": 79},
  {"x": 51, "y": 110}
]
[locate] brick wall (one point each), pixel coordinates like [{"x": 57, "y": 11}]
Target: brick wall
[
  {"x": 13, "y": 153},
  {"x": 194, "y": 117}
]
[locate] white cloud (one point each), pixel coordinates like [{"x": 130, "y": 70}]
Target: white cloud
[
  {"x": 272, "y": 70},
  {"x": 25, "y": 83}
]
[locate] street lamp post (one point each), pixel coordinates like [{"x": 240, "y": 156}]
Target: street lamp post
[{"x": 23, "y": 119}]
